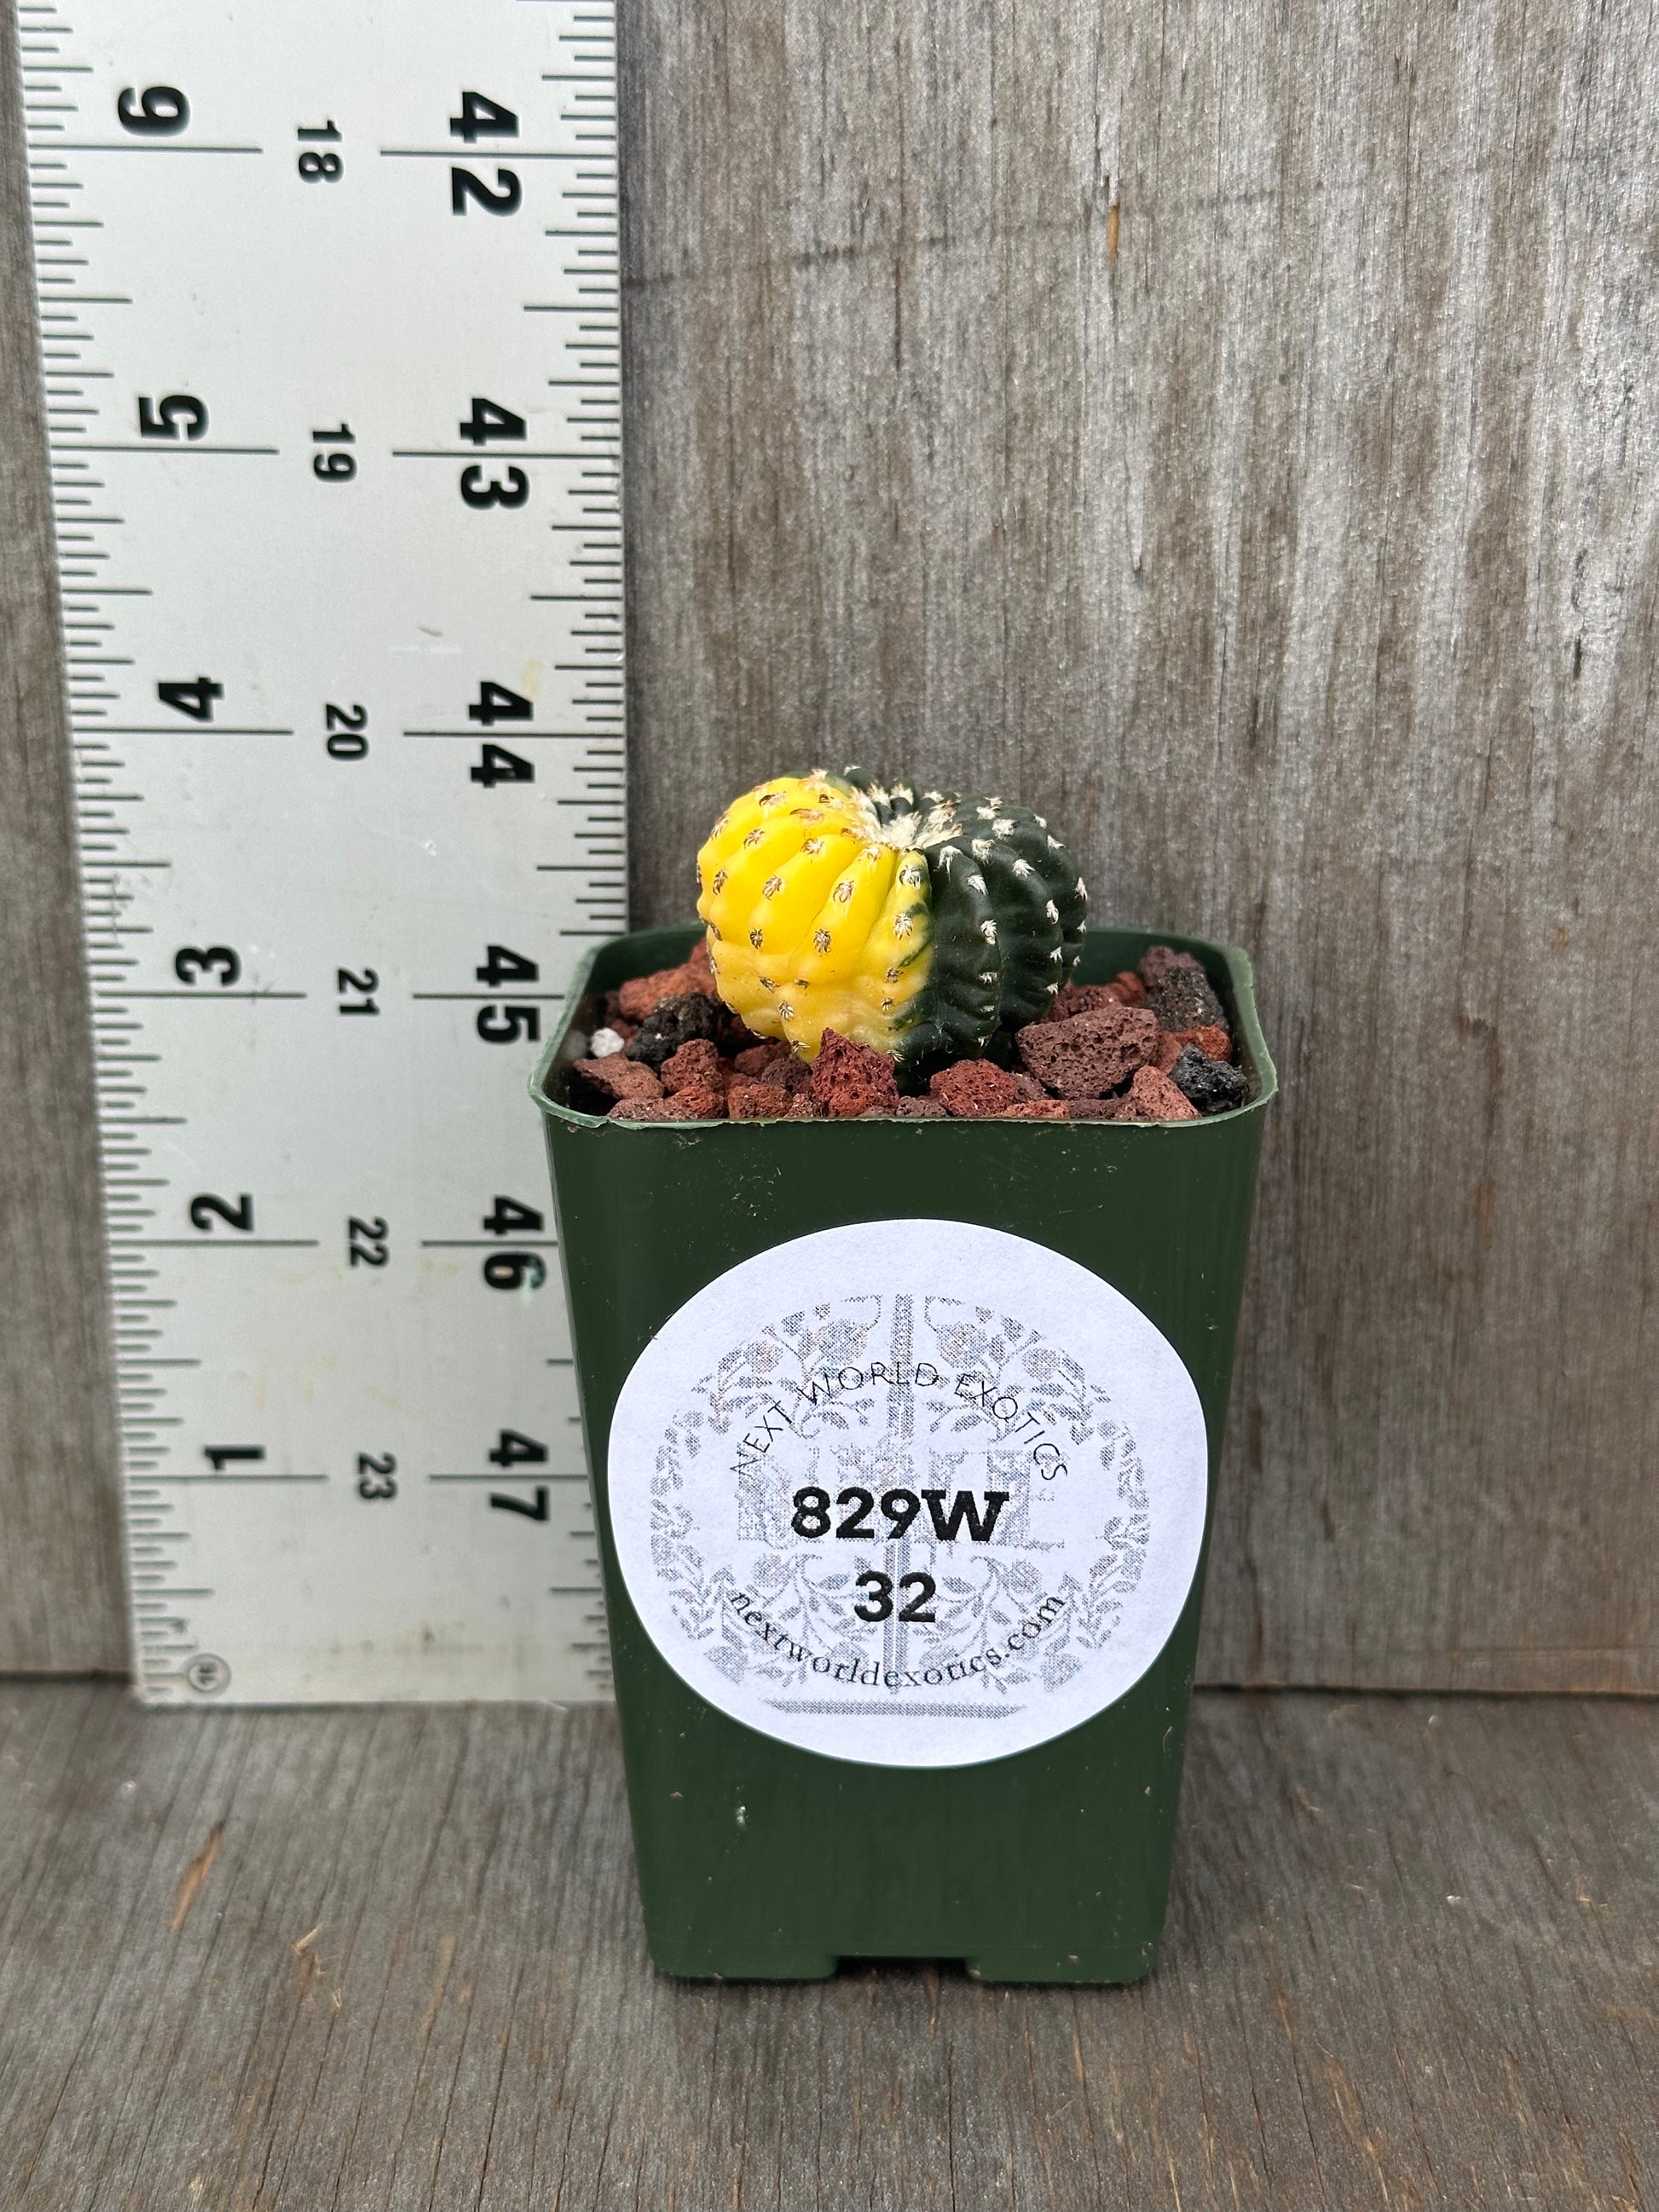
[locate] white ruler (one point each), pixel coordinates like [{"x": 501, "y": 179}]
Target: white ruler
[{"x": 330, "y": 323}]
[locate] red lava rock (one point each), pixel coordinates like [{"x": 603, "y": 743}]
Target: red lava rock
[
  {"x": 975, "y": 1089},
  {"x": 616, "y": 1077},
  {"x": 804, "y": 1108},
  {"x": 1091, "y": 1110},
  {"x": 699, "y": 1102},
  {"x": 754, "y": 1057},
  {"x": 1153, "y": 1097},
  {"x": 1133, "y": 990},
  {"x": 642, "y": 995},
  {"x": 1092, "y": 1054},
  {"x": 1035, "y": 1109},
  {"x": 1166, "y": 1052},
  {"x": 1159, "y": 961},
  {"x": 756, "y": 1102},
  {"x": 921, "y": 1109},
  {"x": 696, "y": 1061},
  {"x": 1212, "y": 1042},
  {"x": 785, "y": 1073},
  {"x": 637, "y": 997},
  {"x": 1074, "y": 998},
  {"x": 735, "y": 1035},
  {"x": 1029, "y": 1090},
  {"x": 848, "y": 1080}
]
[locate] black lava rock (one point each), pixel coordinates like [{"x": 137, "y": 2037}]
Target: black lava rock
[
  {"x": 1212, "y": 1085},
  {"x": 1182, "y": 999},
  {"x": 673, "y": 1023}
]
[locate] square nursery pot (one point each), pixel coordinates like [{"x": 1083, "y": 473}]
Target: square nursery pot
[{"x": 903, "y": 1436}]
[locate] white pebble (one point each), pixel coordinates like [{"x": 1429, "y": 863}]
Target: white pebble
[{"x": 604, "y": 1042}]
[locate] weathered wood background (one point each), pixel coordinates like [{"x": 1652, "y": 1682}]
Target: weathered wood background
[
  {"x": 393, "y": 1961},
  {"x": 1234, "y": 428}
]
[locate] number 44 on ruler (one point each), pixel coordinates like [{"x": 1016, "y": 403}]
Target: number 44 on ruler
[{"x": 330, "y": 334}]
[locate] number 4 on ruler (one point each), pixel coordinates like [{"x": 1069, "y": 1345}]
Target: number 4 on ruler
[{"x": 194, "y": 698}]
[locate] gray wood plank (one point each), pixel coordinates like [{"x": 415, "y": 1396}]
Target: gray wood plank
[
  {"x": 1411, "y": 1961},
  {"x": 60, "y": 1591},
  {"x": 1234, "y": 431}
]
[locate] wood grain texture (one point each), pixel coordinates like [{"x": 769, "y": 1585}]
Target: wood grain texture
[
  {"x": 1410, "y": 1962},
  {"x": 60, "y": 1584},
  {"x": 1233, "y": 429}
]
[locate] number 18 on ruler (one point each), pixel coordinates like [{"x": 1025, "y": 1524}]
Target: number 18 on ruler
[{"x": 330, "y": 332}]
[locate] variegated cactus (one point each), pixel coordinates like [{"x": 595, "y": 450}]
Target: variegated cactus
[{"x": 917, "y": 923}]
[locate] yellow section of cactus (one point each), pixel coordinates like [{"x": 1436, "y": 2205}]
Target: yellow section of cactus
[{"x": 818, "y": 916}]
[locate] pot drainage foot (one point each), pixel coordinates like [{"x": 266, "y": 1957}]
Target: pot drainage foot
[
  {"x": 720, "y": 1965},
  {"x": 1092, "y": 1968}
]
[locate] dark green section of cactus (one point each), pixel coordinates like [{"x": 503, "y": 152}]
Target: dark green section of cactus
[
  {"x": 994, "y": 864},
  {"x": 964, "y": 997}
]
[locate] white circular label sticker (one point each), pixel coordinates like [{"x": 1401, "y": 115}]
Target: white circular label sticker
[{"x": 914, "y": 1493}]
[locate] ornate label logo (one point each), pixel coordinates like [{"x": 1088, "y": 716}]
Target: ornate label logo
[{"x": 916, "y": 1493}]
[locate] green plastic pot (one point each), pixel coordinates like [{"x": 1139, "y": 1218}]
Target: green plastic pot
[{"x": 761, "y": 1860}]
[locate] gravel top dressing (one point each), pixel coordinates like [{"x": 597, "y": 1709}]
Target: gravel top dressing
[{"x": 1151, "y": 1045}]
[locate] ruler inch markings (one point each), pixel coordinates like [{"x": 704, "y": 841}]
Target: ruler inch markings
[{"x": 333, "y": 284}]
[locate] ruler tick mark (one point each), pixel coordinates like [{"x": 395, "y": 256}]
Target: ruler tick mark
[
  {"x": 174, "y": 452},
  {"x": 130, "y": 146},
  {"x": 207, "y": 1242}
]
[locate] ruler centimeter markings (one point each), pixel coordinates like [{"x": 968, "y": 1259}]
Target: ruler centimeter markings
[{"x": 330, "y": 337}]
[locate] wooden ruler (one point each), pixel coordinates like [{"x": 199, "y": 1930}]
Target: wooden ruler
[{"x": 328, "y": 319}]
